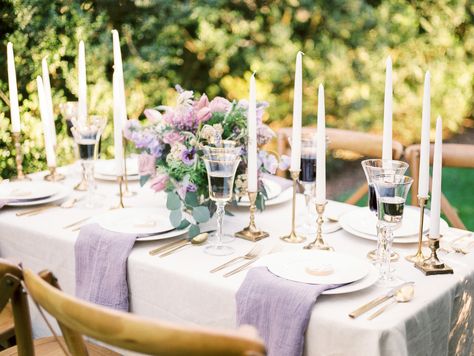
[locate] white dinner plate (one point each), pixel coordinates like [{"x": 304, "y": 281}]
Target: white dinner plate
[
  {"x": 365, "y": 221},
  {"x": 165, "y": 235},
  {"x": 398, "y": 240},
  {"x": 61, "y": 194},
  {"x": 273, "y": 190},
  {"x": 317, "y": 267},
  {"x": 366, "y": 282},
  {"x": 28, "y": 190},
  {"x": 285, "y": 196},
  {"x": 106, "y": 167},
  {"x": 140, "y": 221},
  {"x": 130, "y": 178}
]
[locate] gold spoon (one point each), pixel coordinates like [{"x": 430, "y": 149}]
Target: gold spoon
[
  {"x": 402, "y": 295},
  {"x": 196, "y": 240}
]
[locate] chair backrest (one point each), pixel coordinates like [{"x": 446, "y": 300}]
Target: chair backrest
[
  {"x": 134, "y": 333},
  {"x": 454, "y": 155},
  {"x": 362, "y": 143},
  {"x": 12, "y": 290}
]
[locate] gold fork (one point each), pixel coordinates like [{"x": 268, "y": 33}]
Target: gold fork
[
  {"x": 274, "y": 249},
  {"x": 253, "y": 253}
]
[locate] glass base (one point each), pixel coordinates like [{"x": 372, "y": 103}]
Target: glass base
[
  {"x": 392, "y": 281},
  {"x": 226, "y": 238},
  {"x": 219, "y": 250}
]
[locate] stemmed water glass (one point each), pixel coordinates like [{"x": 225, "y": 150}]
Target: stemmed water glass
[
  {"x": 391, "y": 191},
  {"x": 373, "y": 168},
  {"x": 221, "y": 164},
  {"x": 69, "y": 113},
  {"x": 87, "y": 134}
]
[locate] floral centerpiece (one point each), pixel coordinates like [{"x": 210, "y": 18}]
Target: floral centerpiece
[{"x": 171, "y": 145}]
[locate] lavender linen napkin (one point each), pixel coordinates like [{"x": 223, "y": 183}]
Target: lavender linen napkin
[
  {"x": 3, "y": 203},
  {"x": 101, "y": 266},
  {"x": 280, "y": 309}
]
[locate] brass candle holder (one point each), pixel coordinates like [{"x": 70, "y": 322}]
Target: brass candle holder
[
  {"x": 19, "y": 157},
  {"x": 293, "y": 237},
  {"x": 432, "y": 265},
  {"x": 53, "y": 175},
  {"x": 251, "y": 232},
  {"x": 318, "y": 242},
  {"x": 418, "y": 257},
  {"x": 120, "y": 184}
]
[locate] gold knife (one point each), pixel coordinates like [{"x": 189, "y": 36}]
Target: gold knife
[
  {"x": 373, "y": 303},
  {"x": 167, "y": 246}
]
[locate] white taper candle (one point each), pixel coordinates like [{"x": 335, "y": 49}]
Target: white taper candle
[
  {"x": 118, "y": 128},
  {"x": 297, "y": 113},
  {"x": 436, "y": 182},
  {"x": 424, "y": 174},
  {"x": 48, "y": 98},
  {"x": 118, "y": 69},
  {"x": 387, "y": 112},
  {"x": 82, "y": 80},
  {"x": 12, "y": 89},
  {"x": 45, "y": 119},
  {"x": 252, "y": 138},
  {"x": 321, "y": 149}
]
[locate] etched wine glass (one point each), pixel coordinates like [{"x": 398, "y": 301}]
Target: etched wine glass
[
  {"x": 87, "y": 134},
  {"x": 391, "y": 191},
  {"x": 377, "y": 167},
  {"x": 221, "y": 165}
]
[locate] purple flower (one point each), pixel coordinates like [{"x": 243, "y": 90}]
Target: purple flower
[
  {"x": 131, "y": 127},
  {"x": 285, "y": 162},
  {"x": 173, "y": 137},
  {"x": 159, "y": 182},
  {"x": 191, "y": 187},
  {"x": 146, "y": 165},
  {"x": 264, "y": 134},
  {"x": 156, "y": 148},
  {"x": 268, "y": 161},
  {"x": 185, "y": 186},
  {"x": 189, "y": 156},
  {"x": 220, "y": 104},
  {"x": 203, "y": 114},
  {"x": 153, "y": 115}
]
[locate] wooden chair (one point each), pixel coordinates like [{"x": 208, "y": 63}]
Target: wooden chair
[
  {"x": 127, "y": 331},
  {"x": 360, "y": 143},
  {"x": 7, "y": 327},
  {"x": 454, "y": 155}
]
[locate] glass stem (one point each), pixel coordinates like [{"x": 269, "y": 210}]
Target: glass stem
[
  {"x": 220, "y": 217},
  {"x": 88, "y": 169},
  {"x": 386, "y": 247}
]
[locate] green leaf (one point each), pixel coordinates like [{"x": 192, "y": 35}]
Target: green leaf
[
  {"x": 228, "y": 213},
  {"x": 191, "y": 199},
  {"x": 144, "y": 179},
  {"x": 184, "y": 224},
  {"x": 194, "y": 230},
  {"x": 175, "y": 218},
  {"x": 260, "y": 202},
  {"x": 173, "y": 202},
  {"x": 201, "y": 214}
]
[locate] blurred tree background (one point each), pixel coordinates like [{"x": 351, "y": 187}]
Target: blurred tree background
[{"x": 213, "y": 46}]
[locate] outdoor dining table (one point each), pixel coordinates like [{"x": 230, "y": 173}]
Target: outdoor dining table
[{"x": 179, "y": 288}]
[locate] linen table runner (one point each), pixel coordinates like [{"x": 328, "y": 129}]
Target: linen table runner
[
  {"x": 280, "y": 309},
  {"x": 101, "y": 266}
]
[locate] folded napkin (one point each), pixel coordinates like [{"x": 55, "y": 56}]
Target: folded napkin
[
  {"x": 280, "y": 309},
  {"x": 3, "y": 203},
  {"x": 282, "y": 182},
  {"x": 101, "y": 266}
]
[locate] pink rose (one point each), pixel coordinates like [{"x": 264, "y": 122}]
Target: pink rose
[
  {"x": 220, "y": 104},
  {"x": 146, "y": 165},
  {"x": 158, "y": 183},
  {"x": 202, "y": 103},
  {"x": 204, "y": 114},
  {"x": 172, "y": 137},
  {"x": 152, "y": 115}
]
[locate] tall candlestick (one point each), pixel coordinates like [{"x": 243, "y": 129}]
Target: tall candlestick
[
  {"x": 387, "y": 113},
  {"x": 48, "y": 98},
  {"x": 252, "y": 138},
  {"x": 13, "y": 90},
  {"x": 297, "y": 112},
  {"x": 436, "y": 182},
  {"x": 321, "y": 150},
  {"x": 423, "y": 180},
  {"x": 50, "y": 155},
  {"x": 82, "y": 89},
  {"x": 118, "y": 128},
  {"x": 118, "y": 68}
]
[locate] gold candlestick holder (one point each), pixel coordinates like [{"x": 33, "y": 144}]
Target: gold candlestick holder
[
  {"x": 293, "y": 237},
  {"x": 53, "y": 175},
  {"x": 418, "y": 257},
  {"x": 432, "y": 265},
  {"x": 19, "y": 157},
  {"x": 318, "y": 242},
  {"x": 251, "y": 232},
  {"x": 120, "y": 184}
]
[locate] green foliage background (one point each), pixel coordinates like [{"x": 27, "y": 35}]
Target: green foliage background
[{"x": 214, "y": 45}]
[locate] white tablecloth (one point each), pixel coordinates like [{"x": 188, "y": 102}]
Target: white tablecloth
[{"x": 439, "y": 320}]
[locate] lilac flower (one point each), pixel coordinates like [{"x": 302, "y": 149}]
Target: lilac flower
[
  {"x": 264, "y": 134},
  {"x": 220, "y": 104},
  {"x": 185, "y": 186},
  {"x": 189, "y": 156},
  {"x": 131, "y": 127},
  {"x": 268, "y": 161},
  {"x": 285, "y": 162},
  {"x": 156, "y": 148}
]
